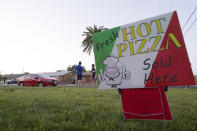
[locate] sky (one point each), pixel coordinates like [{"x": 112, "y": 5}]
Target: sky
[{"x": 46, "y": 35}]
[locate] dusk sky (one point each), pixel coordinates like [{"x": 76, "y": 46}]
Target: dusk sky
[{"x": 46, "y": 35}]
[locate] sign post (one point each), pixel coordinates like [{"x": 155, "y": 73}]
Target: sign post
[{"x": 147, "y": 103}]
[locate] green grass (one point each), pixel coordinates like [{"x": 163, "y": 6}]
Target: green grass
[{"x": 81, "y": 109}]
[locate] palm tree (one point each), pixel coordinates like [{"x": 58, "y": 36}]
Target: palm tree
[{"x": 88, "y": 42}]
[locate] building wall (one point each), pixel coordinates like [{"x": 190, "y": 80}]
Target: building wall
[
  {"x": 65, "y": 78},
  {"x": 86, "y": 79}
]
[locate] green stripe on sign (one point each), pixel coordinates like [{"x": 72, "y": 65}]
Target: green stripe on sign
[{"x": 103, "y": 43}]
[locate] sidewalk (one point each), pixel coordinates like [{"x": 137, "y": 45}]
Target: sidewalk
[{"x": 74, "y": 85}]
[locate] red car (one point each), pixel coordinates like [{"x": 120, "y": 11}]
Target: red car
[{"x": 37, "y": 80}]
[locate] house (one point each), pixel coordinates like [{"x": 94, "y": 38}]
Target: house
[
  {"x": 86, "y": 77},
  {"x": 61, "y": 75},
  {"x": 6, "y": 77}
]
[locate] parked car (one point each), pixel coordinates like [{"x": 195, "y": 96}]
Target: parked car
[
  {"x": 11, "y": 82},
  {"x": 37, "y": 80}
]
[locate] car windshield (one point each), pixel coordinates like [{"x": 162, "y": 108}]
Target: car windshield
[{"x": 43, "y": 76}]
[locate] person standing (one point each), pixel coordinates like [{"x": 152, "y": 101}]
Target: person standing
[
  {"x": 93, "y": 75},
  {"x": 79, "y": 70}
]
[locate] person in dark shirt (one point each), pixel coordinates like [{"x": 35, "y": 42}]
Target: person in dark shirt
[
  {"x": 93, "y": 75},
  {"x": 79, "y": 70}
]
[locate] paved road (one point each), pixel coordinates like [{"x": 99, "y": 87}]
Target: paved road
[
  {"x": 60, "y": 85},
  {"x": 9, "y": 85},
  {"x": 88, "y": 85}
]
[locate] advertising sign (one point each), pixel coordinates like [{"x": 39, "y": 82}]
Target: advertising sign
[{"x": 147, "y": 53}]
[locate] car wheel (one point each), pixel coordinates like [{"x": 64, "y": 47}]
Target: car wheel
[
  {"x": 40, "y": 84},
  {"x": 21, "y": 84}
]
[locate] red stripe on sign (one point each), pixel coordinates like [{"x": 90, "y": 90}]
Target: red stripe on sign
[{"x": 171, "y": 66}]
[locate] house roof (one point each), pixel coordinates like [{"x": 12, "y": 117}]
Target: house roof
[{"x": 58, "y": 73}]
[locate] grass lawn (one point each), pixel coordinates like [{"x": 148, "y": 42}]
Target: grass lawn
[{"x": 81, "y": 109}]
